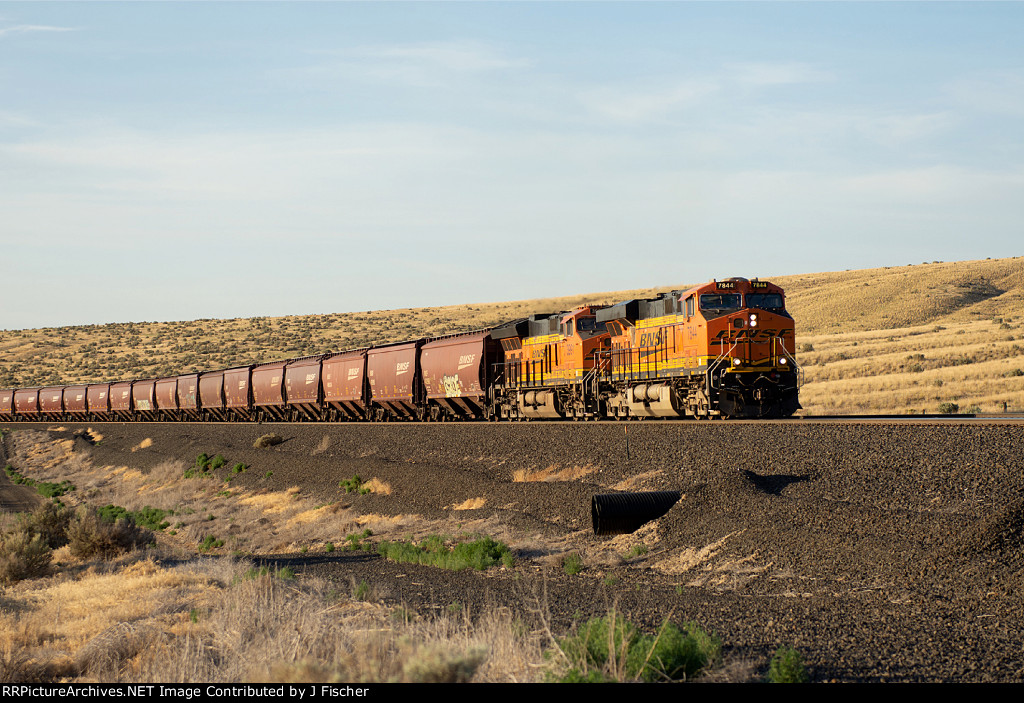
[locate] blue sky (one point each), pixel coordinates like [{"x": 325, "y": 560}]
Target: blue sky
[{"x": 164, "y": 161}]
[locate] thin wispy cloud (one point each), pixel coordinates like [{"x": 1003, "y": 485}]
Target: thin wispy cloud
[
  {"x": 656, "y": 103},
  {"x": 893, "y": 130},
  {"x": 32, "y": 28},
  {"x": 670, "y": 96},
  {"x": 427, "y": 65},
  {"x": 1000, "y": 93},
  {"x": 15, "y": 119},
  {"x": 461, "y": 57},
  {"x": 768, "y": 74}
]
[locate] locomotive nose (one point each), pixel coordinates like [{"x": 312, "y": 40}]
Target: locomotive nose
[{"x": 740, "y": 324}]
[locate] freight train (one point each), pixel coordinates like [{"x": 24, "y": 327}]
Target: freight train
[{"x": 724, "y": 349}]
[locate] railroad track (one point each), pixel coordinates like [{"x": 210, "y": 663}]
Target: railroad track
[{"x": 986, "y": 418}]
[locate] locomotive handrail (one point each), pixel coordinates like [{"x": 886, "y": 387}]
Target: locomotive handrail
[
  {"x": 714, "y": 365},
  {"x": 593, "y": 371},
  {"x": 797, "y": 368}
]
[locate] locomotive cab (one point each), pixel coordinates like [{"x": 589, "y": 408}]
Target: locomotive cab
[{"x": 752, "y": 342}]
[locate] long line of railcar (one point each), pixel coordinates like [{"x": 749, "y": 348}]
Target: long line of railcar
[{"x": 724, "y": 349}]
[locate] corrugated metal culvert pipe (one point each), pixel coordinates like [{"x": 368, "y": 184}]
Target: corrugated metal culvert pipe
[{"x": 622, "y": 513}]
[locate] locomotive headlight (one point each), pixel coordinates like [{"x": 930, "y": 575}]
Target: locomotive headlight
[
  {"x": 782, "y": 361},
  {"x": 753, "y": 320},
  {"x": 737, "y": 362}
]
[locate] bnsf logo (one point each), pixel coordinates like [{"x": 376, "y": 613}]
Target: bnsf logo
[
  {"x": 402, "y": 367},
  {"x": 652, "y": 339},
  {"x": 310, "y": 377},
  {"x": 752, "y": 334},
  {"x": 352, "y": 373}
]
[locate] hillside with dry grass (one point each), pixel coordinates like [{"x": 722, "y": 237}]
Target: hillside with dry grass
[{"x": 895, "y": 339}]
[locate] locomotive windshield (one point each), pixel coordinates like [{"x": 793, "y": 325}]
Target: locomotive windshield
[
  {"x": 764, "y": 301},
  {"x": 589, "y": 326},
  {"x": 719, "y": 303}
]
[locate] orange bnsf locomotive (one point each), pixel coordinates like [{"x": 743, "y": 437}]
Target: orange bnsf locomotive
[{"x": 723, "y": 349}]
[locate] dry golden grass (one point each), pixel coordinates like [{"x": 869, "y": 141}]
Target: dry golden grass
[
  {"x": 321, "y": 447},
  {"x": 552, "y": 473},
  {"x": 712, "y": 567},
  {"x": 144, "y": 444},
  {"x": 470, "y": 504},
  {"x": 979, "y": 365},
  {"x": 375, "y": 485},
  {"x": 637, "y": 481},
  {"x": 225, "y": 621}
]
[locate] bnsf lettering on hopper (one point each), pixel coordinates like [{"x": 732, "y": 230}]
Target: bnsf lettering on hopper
[{"x": 723, "y": 349}]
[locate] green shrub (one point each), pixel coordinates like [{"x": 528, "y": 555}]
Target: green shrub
[
  {"x": 353, "y": 485},
  {"x": 210, "y": 542},
  {"x": 480, "y": 554},
  {"x": 612, "y": 649},
  {"x": 200, "y": 468},
  {"x": 355, "y": 541},
  {"x": 948, "y": 408},
  {"x": 572, "y": 564},
  {"x": 45, "y": 489},
  {"x": 787, "y": 666},
  {"x": 147, "y": 517},
  {"x": 54, "y": 490},
  {"x": 217, "y": 462}
]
